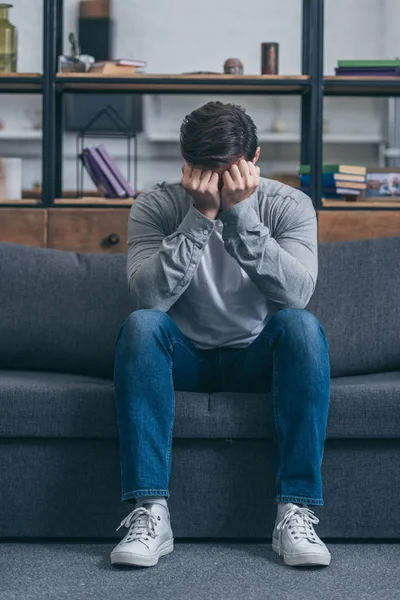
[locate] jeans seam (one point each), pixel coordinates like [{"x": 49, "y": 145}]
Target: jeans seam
[
  {"x": 274, "y": 396},
  {"x": 173, "y": 342},
  {"x": 173, "y": 409}
]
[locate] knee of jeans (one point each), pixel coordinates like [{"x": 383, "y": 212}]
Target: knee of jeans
[
  {"x": 142, "y": 322},
  {"x": 300, "y": 323}
]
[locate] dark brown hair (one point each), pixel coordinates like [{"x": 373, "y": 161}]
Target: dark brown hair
[{"x": 216, "y": 134}]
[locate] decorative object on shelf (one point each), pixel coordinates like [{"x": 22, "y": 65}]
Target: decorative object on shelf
[
  {"x": 269, "y": 58},
  {"x": 75, "y": 62},
  {"x": 11, "y": 178},
  {"x": 8, "y": 41},
  {"x": 338, "y": 181},
  {"x": 279, "y": 126},
  {"x": 383, "y": 184},
  {"x": 121, "y": 66},
  {"x": 233, "y": 66},
  {"x": 103, "y": 171}
]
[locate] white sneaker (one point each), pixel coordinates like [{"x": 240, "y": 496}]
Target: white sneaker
[
  {"x": 149, "y": 536},
  {"x": 294, "y": 537}
]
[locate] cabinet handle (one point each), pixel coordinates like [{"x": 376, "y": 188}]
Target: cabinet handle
[{"x": 113, "y": 239}]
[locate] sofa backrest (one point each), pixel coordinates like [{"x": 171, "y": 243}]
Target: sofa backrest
[
  {"x": 61, "y": 311},
  {"x": 357, "y": 301}
]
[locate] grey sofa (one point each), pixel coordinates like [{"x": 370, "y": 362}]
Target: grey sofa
[{"x": 59, "y": 451}]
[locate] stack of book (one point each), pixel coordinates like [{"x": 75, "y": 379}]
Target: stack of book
[
  {"x": 105, "y": 174},
  {"x": 370, "y": 68},
  {"x": 121, "y": 66},
  {"x": 338, "y": 181}
]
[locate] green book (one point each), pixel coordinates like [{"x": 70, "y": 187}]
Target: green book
[
  {"x": 369, "y": 63},
  {"x": 350, "y": 169}
]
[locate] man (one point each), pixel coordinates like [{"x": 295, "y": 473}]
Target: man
[{"x": 220, "y": 267}]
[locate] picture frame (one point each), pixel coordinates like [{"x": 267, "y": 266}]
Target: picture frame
[{"x": 383, "y": 184}]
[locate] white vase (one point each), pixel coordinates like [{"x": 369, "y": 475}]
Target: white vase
[{"x": 10, "y": 178}]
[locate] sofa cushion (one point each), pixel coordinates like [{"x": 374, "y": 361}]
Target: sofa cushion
[
  {"x": 357, "y": 300},
  {"x": 46, "y": 405},
  {"x": 60, "y": 311}
]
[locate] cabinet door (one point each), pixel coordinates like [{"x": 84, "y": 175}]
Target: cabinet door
[
  {"x": 23, "y": 226},
  {"x": 88, "y": 229},
  {"x": 343, "y": 226}
]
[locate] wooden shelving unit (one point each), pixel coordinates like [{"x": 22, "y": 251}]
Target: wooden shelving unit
[
  {"x": 22, "y": 83},
  {"x": 361, "y": 86},
  {"x": 170, "y": 83}
]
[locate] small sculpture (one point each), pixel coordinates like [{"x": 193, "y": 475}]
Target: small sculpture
[{"x": 233, "y": 66}]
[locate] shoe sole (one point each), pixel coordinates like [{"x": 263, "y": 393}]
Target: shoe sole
[
  {"x": 307, "y": 559},
  {"x": 129, "y": 558}
]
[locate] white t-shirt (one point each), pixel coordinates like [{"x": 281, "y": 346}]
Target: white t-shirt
[{"x": 221, "y": 306}]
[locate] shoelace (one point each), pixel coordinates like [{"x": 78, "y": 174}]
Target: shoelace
[
  {"x": 303, "y": 518},
  {"x": 141, "y": 521}
]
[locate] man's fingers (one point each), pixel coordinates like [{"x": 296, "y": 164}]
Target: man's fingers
[
  {"x": 243, "y": 168},
  {"x": 234, "y": 173},
  {"x": 206, "y": 176},
  {"x": 227, "y": 179}
]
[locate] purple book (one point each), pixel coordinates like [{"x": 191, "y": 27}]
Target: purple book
[
  {"x": 119, "y": 191},
  {"x": 115, "y": 170},
  {"x": 96, "y": 174},
  {"x": 368, "y": 71}
]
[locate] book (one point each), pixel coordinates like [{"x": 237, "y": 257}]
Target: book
[
  {"x": 333, "y": 192},
  {"x": 113, "y": 67},
  {"x": 367, "y": 71},
  {"x": 395, "y": 62},
  {"x": 331, "y": 182},
  {"x": 350, "y": 169},
  {"x": 119, "y": 191},
  {"x": 96, "y": 175},
  {"x": 335, "y": 177},
  {"x": 116, "y": 171}
]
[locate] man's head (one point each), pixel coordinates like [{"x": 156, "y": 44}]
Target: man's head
[{"x": 216, "y": 136}]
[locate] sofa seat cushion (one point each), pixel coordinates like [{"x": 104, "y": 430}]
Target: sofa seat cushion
[{"x": 48, "y": 405}]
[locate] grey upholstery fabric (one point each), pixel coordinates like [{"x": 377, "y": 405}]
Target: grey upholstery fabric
[
  {"x": 47, "y": 405},
  {"x": 60, "y": 311},
  {"x": 357, "y": 302}
]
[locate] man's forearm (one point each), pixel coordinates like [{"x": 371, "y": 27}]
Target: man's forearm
[
  {"x": 161, "y": 278},
  {"x": 286, "y": 279}
]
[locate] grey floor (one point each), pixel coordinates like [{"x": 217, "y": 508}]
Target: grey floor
[{"x": 78, "y": 570}]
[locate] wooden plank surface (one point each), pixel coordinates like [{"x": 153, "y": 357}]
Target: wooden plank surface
[
  {"x": 348, "y": 204},
  {"x": 88, "y": 229},
  {"x": 95, "y": 201},
  {"x": 340, "y": 226},
  {"x": 181, "y": 82},
  {"x": 23, "y": 226}
]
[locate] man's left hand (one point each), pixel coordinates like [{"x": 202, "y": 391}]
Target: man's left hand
[{"x": 240, "y": 182}]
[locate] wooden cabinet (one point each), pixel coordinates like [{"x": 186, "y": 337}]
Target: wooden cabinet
[
  {"x": 88, "y": 230},
  {"x": 105, "y": 229},
  {"x": 344, "y": 225},
  {"x": 23, "y": 226}
]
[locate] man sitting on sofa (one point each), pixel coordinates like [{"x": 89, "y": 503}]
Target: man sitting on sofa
[{"x": 221, "y": 266}]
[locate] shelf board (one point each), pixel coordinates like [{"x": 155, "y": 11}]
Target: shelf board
[
  {"x": 93, "y": 201},
  {"x": 14, "y": 83},
  {"x": 361, "y": 86},
  {"x": 27, "y": 201},
  {"x": 284, "y": 138},
  {"x": 349, "y": 204},
  {"x": 148, "y": 83},
  {"x": 20, "y": 134}
]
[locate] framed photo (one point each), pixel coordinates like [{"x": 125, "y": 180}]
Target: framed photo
[{"x": 383, "y": 184}]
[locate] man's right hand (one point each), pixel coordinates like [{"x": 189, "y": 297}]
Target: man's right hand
[{"x": 203, "y": 187}]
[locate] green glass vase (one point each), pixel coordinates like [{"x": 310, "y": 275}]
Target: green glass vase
[{"x": 8, "y": 42}]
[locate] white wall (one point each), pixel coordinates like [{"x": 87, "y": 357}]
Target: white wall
[{"x": 180, "y": 36}]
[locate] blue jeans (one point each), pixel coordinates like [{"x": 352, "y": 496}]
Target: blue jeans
[{"x": 289, "y": 358}]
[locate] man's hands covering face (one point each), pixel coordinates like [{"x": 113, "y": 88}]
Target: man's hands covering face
[
  {"x": 203, "y": 187},
  {"x": 239, "y": 182}
]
